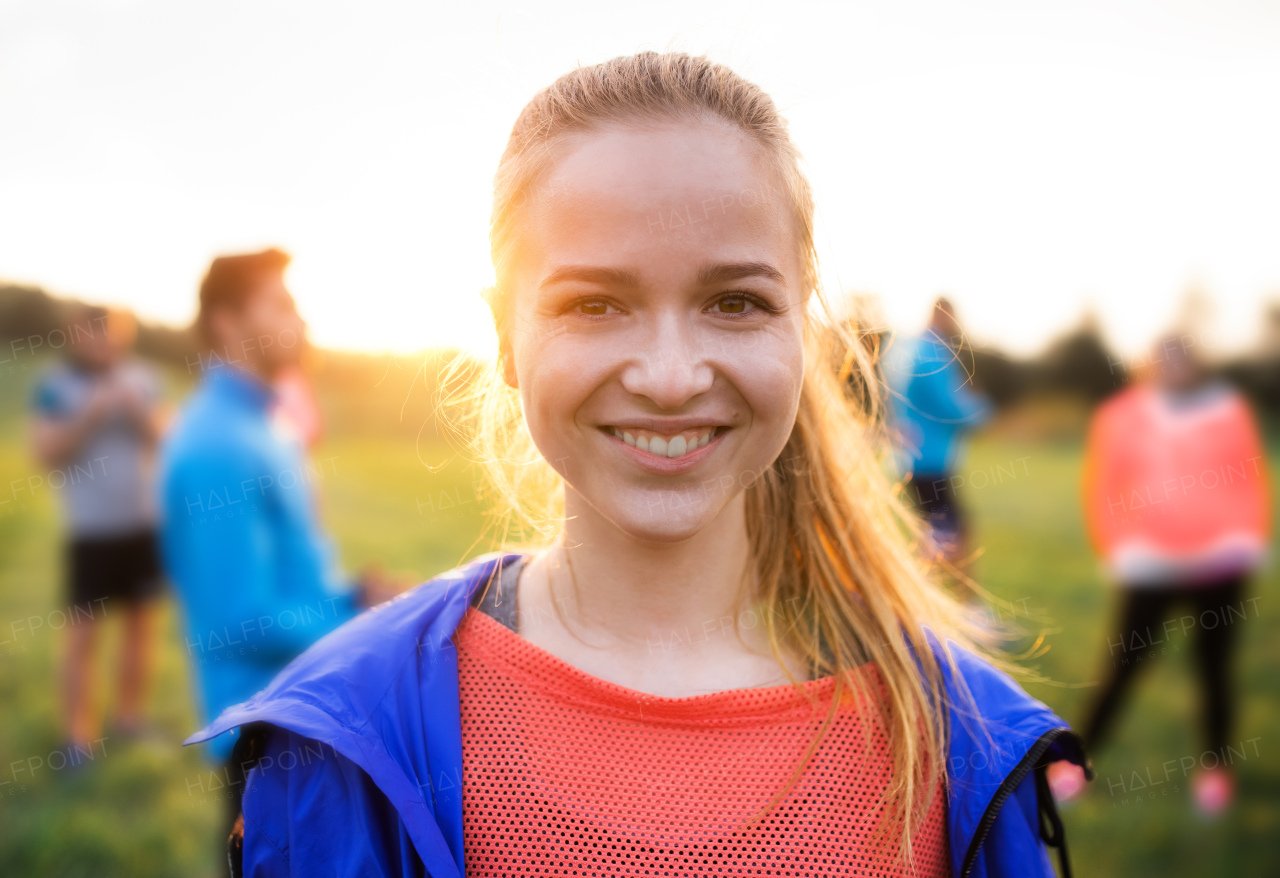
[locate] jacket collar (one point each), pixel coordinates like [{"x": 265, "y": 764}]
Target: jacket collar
[{"x": 234, "y": 384}]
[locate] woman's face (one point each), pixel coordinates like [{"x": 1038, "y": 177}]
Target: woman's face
[{"x": 656, "y": 336}]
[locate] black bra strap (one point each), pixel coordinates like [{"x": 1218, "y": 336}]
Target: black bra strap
[{"x": 244, "y": 756}]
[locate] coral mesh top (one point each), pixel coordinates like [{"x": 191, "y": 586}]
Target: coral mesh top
[
  {"x": 1176, "y": 487},
  {"x": 567, "y": 774}
]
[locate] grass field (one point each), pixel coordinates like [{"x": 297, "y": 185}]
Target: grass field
[{"x": 150, "y": 808}]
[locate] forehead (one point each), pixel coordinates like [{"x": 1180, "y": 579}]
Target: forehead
[{"x": 664, "y": 189}]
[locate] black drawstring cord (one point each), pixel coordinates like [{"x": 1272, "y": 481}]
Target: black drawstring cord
[{"x": 1051, "y": 830}]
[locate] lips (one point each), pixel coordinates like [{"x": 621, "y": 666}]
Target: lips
[{"x": 668, "y": 445}]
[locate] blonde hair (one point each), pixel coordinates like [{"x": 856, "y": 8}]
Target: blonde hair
[{"x": 840, "y": 580}]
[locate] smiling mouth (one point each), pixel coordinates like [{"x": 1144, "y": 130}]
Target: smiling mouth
[{"x": 666, "y": 445}]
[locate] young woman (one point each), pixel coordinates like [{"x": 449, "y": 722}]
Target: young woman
[{"x": 725, "y": 657}]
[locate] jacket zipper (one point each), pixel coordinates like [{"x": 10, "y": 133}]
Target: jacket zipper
[{"x": 1007, "y": 786}]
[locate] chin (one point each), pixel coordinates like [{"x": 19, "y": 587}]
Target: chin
[
  {"x": 658, "y": 532},
  {"x": 673, "y": 518}
]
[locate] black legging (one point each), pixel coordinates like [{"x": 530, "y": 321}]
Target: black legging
[{"x": 1154, "y": 620}]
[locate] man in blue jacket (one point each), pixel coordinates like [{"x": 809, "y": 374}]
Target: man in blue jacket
[
  {"x": 240, "y": 539},
  {"x": 934, "y": 407}
]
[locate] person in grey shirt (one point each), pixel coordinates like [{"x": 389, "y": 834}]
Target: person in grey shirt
[{"x": 96, "y": 419}]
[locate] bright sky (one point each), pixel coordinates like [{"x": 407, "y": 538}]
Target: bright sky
[{"x": 1030, "y": 162}]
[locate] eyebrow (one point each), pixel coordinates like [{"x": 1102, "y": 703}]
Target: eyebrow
[
  {"x": 714, "y": 274},
  {"x": 711, "y": 274},
  {"x": 616, "y": 277}
]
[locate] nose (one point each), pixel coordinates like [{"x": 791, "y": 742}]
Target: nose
[{"x": 669, "y": 368}]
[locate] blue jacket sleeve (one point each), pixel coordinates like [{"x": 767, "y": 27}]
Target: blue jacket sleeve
[
  {"x": 309, "y": 811},
  {"x": 1013, "y": 848},
  {"x": 941, "y": 390},
  {"x": 247, "y": 559}
]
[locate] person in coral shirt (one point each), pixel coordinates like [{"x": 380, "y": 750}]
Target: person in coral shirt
[{"x": 1177, "y": 504}]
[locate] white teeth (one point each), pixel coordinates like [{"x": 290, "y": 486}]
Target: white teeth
[{"x": 677, "y": 446}]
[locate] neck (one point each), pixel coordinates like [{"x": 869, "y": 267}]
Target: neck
[
  {"x": 250, "y": 365},
  {"x": 662, "y": 618},
  {"x": 630, "y": 590}
]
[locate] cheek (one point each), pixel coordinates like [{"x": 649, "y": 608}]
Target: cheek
[
  {"x": 776, "y": 399},
  {"x": 556, "y": 375},
  {"x": 768, "y": 370},
  {"x": 266, "y": 321}
]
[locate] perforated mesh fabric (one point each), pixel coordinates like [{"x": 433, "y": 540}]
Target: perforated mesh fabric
[{"x": 567, "y": 774}]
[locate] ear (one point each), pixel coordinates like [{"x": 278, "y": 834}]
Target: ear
[
  {"x": 493, "y": 297},
  {"x": 222, "y": 326},
  {"x": 508, "y": 362}
]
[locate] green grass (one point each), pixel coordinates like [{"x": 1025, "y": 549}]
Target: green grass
[{"x": 139, "y": 810}]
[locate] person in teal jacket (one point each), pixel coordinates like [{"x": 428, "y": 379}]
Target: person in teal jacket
[
  {"x": 933, "y": 408},
  {"x": 254, "y": 573}
]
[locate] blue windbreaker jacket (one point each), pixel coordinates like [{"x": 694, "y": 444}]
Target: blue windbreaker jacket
[
  {"x": 932, "y": 403},
  {"x": 359, "y": 770}
]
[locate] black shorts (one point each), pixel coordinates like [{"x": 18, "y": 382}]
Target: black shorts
[
  {"x": 935, "y": 502},
  {"x": 125, "y": 567}
]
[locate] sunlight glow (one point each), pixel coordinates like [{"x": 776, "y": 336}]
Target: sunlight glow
[{"x": 1028, "y": 163}]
